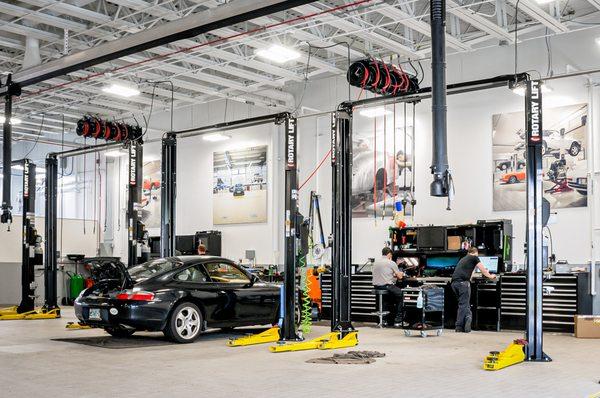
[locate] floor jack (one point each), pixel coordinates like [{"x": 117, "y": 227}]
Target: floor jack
[{"x": 514, "y": 353}]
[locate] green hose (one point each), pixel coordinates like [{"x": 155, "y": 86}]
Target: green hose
[{"x": 306, "y": 306}]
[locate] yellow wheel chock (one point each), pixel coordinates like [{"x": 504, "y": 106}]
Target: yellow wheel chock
[
  {"x": 268, "y": 336},
  {"x": 77, "y": 326},
  {"x": 328, "y": 341},
  {"x": 30, "y": 315},
  {"x": 513, "y": 354}
]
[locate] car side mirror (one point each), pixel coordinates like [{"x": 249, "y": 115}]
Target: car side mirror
[{"x": 253, "y": 279}]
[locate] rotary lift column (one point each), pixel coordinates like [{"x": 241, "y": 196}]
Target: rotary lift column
[
  {"x": 341, "y": 263},
  {"x": 134, "y": 226},
  {"x": 168, "y": 192},
  {"x": 31, "y": 254},
  {"x": 51, "y": 232},
  {"x": 288, "y": 328},
  {"x": 533, "y": 126}
]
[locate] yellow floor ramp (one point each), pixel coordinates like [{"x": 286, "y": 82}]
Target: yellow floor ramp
[
  {"x": 329, "y": 341},
  {"x": 30, "y": 315},
  {"x": 268, "y": 336},
  {"x": 513, "y": 354}
]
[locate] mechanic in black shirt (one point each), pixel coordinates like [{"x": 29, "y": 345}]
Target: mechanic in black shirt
[{"x": 461, "y": 285}]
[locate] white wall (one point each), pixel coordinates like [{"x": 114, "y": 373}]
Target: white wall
[
  {"x": 470, "y": 142},
  {"x": 470, "y": 153}
]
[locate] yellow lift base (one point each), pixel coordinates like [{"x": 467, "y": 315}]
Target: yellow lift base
[
  {"x": 514, "y": 353},
  {"x": 77, "y": 326},
  {"x": 329, "y": 341},
  {"x": 8, "y": 310},
  {"x": 268, "y": 336},
  {"x": 30, "y": 315}
]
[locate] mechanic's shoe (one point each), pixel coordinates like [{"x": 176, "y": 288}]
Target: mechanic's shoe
[
  {"x": 468, "y": 321},
  {"x": 459, "y": 330}
]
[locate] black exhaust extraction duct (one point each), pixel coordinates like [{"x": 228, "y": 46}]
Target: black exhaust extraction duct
[{"x": 442, "y": 181}]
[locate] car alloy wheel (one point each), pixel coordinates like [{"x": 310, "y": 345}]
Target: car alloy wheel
[
  {"x": 187, "y": 322},
  {"x": 512, "y": 180},
  {"x": 574, "y": 149}
]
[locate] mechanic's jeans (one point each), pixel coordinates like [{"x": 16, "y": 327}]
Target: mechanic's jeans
[
  {"x": 396, "y": 315},
  {"x": 463, "y": 293}
]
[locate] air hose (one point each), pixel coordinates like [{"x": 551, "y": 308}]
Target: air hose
[{"x": 306, "y": 306}]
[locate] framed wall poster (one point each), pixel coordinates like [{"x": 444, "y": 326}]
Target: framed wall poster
[
  {"x": 240, "y": 186},
  {"x": 564, "y": 158}
]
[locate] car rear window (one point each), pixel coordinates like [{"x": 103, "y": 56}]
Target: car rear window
[{"x": 152, "y": 268}]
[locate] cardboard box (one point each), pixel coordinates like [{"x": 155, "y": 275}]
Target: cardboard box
[
  {"x": 587, "y": 326},
  {"x": 454, "y": 243}
]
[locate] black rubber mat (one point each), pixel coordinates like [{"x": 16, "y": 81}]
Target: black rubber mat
[{"x": 118, "y": 343}]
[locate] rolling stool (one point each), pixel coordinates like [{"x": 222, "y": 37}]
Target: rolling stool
[{"x": 379, "y": 293}]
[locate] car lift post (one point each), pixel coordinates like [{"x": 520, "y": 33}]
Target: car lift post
[
  {"x": 134, "y": 227},
  {"x": 168, "y": 195},
  {"x": 535, "y": 264},
  {"x": 29, "y": 239},
  {"x": 288, "y": 331},
  {"x": 50, "y": 300},
  {"x": 342, "y": 333},
  {"x": 29, "y": 242}
]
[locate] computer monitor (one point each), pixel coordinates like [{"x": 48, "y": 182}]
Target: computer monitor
[
  {"x": 441, "y": 263},
  {"x": 489, "y": 262},
  {"x": 431, "y": 238},
  {"x": 185, "y": 244}
]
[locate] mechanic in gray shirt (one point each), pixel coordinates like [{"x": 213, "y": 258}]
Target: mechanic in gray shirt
[{"x": 385, "y": 275}]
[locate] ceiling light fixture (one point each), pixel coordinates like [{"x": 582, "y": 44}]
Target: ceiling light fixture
[
  {"x": 374, "y": 112},
  {"x": 13, "y": 120},
  {"x": 114, "y": 154},
  {"x": 121, "y": 90},
  {"x": 216, "y": 137},
  {"x": 520, "y": 89},
  {"x": 278, "y": 54}
]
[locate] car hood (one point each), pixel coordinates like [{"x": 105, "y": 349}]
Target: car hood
[{"x": 109, "y": 270}]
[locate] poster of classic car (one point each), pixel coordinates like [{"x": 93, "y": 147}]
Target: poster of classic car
[{"x": 564, "y": 158}]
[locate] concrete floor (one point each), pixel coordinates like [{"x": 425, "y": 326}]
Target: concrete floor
[{"x": 33, "y": 365}]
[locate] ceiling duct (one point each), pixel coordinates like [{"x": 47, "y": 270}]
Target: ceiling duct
[
  {"x": 441, "y": 184},
  {"x": 32, "y": 53}
]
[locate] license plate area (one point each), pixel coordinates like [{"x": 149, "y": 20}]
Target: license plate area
[{"x": 94, "y": 314}]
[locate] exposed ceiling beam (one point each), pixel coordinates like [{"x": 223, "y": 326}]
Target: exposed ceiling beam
[
  {"x": 190, "y": 26},
  {"x": 537, "y": 13},
  {"x": 478, "y": 21}
]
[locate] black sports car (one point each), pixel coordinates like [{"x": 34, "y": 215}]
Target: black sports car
[{"x": 180, "y": 296}]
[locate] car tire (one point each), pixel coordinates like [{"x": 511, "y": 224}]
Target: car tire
[
  {"x": 513, "y": 180},
  {"x": 544, "y": 148},
  {"x": 118, "y": 331},
  {"x": 185, "y": 323},
  {"x": 574, "y": 149}
]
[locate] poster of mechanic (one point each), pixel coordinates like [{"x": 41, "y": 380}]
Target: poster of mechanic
[
  {"x": 381, "y": 169},
  {"x": 240, "y": 186},
  {"x": 151, "y": 194},
  {"x": 564, "y": 158}
]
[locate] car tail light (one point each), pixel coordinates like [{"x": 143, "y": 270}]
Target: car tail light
[{"x": 130, "y": 295}]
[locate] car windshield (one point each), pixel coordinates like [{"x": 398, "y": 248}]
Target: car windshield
[{"x": 152, "y": 268}]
